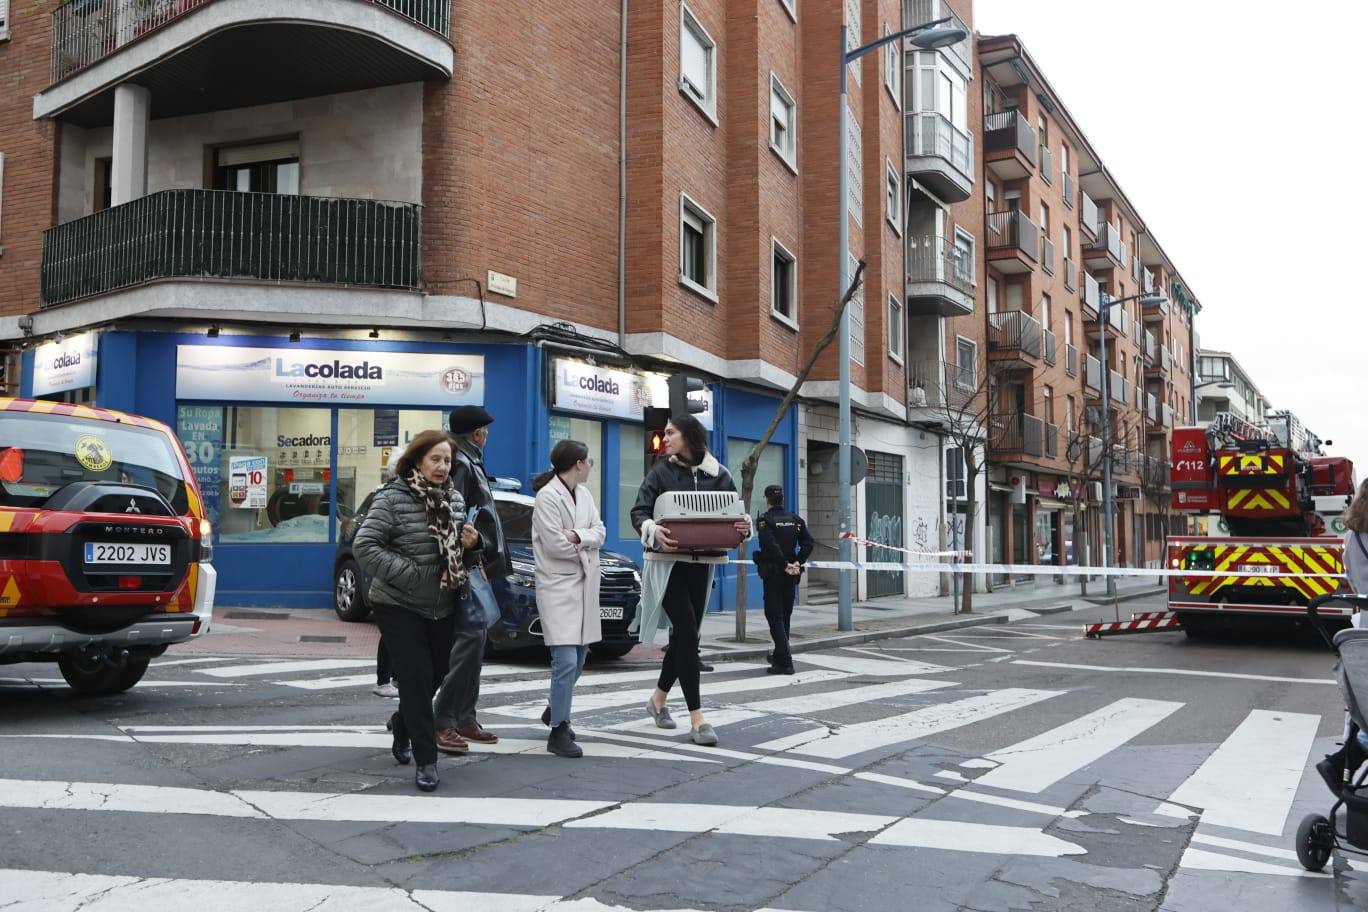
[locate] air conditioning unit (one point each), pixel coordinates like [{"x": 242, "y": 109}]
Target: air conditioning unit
[{"x": 1095, "y": 491}]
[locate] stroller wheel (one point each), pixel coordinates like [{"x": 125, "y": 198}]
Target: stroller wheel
[{"x": 1315, "y": 840}]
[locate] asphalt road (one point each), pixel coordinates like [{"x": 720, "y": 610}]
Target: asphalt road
[{"x": 1007, "y": 767}]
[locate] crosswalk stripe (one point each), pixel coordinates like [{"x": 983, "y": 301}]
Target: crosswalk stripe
[
  {"x": 879, "y": 668},
  {"x": 746, "y": 820},
  {"x": 269, "y": 668},
  {"x": 866, "y": 736},
  {"x": 1249, "y": 781},
  {"x": 717, "y": 718},
  {"x": 1195, "y": 859},
  {"x": 202, "y": 660},
  {"x": 335, "y": 683},
  {"x": 806, "y": 704},
  {"x": 588, "y": 703},
  {"x": 144, "y": 684},
  {"x": 1037, "y": 763}
]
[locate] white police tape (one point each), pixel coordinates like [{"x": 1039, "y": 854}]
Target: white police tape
[{"x": 1055, "y": 570}]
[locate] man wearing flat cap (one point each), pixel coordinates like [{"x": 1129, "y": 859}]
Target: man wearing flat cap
[
  {"x": 785, "y": 545},
  {"x": 454, "y": 705}
]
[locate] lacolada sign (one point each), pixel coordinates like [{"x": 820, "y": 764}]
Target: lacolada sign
[
  {"x": 65, "y": 365},
  {"x": 328, "y": 376},
  {"x": 611, "y": 393}
]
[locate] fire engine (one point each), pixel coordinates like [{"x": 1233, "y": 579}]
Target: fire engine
[{"x": 1272, "y": 501}]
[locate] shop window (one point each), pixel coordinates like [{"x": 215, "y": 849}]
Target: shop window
[
  {"x": 631, "y": 472},
  {"x": 366, "y": 440},
  {"x": 274, "y": 475},
  {"x": 590, "y": 433},
  {"x": 769, "y": 471}
]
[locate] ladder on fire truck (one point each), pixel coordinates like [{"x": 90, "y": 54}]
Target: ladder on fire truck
[{"x": 1227, "y": 429}]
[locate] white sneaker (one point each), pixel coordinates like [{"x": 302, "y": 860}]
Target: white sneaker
[{"x": 386, "y": 690}]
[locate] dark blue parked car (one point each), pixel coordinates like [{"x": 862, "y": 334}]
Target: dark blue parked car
[{"x": 620, "y": 589}]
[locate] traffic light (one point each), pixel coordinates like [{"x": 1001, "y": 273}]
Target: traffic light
[
  {"x": 655, "y": 419},
  {"x": 680, "y": 387}
]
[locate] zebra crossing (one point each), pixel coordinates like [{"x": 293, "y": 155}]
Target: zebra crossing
[{"x": 1026, "y": 754}]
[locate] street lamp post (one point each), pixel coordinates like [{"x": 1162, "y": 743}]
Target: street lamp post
[
  {"x": 1108, "y": 500},
  {"x": 927, "y": 36}
]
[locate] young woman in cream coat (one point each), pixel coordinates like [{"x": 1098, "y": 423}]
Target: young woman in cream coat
[{"x": 567, "y": 534}]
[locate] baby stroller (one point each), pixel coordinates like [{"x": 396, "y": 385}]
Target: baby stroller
[{"x": 1343, "y": 771}]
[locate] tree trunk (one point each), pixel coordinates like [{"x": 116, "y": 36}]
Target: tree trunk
[
  {"x": 1078, "y": 551},
  {"x": 971, "y": 472}
]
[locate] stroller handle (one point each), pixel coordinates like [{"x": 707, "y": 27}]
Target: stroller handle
[{"x": 1313, "y": 612}]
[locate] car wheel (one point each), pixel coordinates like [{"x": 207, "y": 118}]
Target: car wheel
[
  {"x": 348, "y": 600},
  {"x": 94, "y": 679},
  {"x": 611, "y": 650}
]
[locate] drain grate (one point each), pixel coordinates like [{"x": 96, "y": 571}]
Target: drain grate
[
  {"x": 313, "y": 638},
  {"x": 243, "y": 614}
]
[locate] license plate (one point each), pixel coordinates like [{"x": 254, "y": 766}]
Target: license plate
[
  {"x": 1270, "y": 569},
  {"x": 610, "y": 612},
  {"x": 121, "y": 553}
]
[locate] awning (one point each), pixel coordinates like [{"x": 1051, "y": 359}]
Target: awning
[
  {"x": 1044, "y": 503},
  {"x": 1000, "y": 488}
]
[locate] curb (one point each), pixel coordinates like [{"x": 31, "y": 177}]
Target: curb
[
  {"x": 1128, "y": 597},
  {"x": 852, "y": 639},
  {"x": 1057, "y": 609}
]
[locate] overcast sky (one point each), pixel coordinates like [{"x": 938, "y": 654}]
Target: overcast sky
[{"x": 1240, "y": 167}]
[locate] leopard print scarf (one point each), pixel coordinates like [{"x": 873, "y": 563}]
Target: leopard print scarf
[{"x": 442, "y": 525}]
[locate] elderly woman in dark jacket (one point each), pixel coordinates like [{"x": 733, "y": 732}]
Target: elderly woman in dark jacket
[{"x": 417, "y": 549}]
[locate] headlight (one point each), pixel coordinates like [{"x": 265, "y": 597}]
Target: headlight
[
  {"x": 636, "y": 576},
  {"x": 524, "y": 573}
]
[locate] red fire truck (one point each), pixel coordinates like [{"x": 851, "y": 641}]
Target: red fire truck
[{"x": 1271, "y": 500}]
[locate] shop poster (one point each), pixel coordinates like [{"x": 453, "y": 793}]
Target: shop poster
[
  {"x": 247, "y": 482},
  {"x": 200, "y": 428}
]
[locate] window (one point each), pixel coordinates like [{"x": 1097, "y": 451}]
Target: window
[
  {"x": 783, "y": 285},
  {"x": 1068, "y": 243},
  {"x": 364, "y": 441},
  {"x": 788, "y": 8},
  {"x": 697, "y": 248},
  {"x": 893, "y": 68},
  {"x": 4, "y": 19},
  {"x": 1069, "y": 413},
  {"x": 631, "y": 469},
  {"x": 1045, "y": 315},
  {"x": 966, "y": 362},
  {"x": 1068, "y": 327},
  {"x": 964, "y": 256},
  {"x": 1045, "y": 220},
  {"x": 855, "y": 167},
  {"x": 104, "y": 184},
  {"x": 769, "y": 470},
  {"x": 857, "y": 339},
  {"x": 2, "y": 195},
  {"x": 782, "y": 121},
  {"x": 895, "y": 329},
  {"x": 990, "y": 189},
  {"x": 697, "y": 63},
  {"x": 1047, "y": 400},
  {"x": 893, "y": 197},
  {"x": 1064, "y": 159},
  {"x": 992, "y": 296},
  {"x": 955, "y": 474},
  {"x": 853, "y": 33},
  {"x": 259, "y": 168},
  {"x": 589, "y": 432}
]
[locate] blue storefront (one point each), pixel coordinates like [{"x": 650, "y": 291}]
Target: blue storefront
[{"x": 288, "y": 437}]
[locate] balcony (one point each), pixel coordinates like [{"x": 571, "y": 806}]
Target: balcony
[
  {"x": 1151, "y": 408},
  {"x": 1156, "y": 312},
  {"x": 1052, "y": 441},
  {"x": 940, "y": 155},
  {"x": 1070, "y": 275},
  {"x": 1091, "y": 296},
  {"x": 1107, "y": 251},
  {"x": 1014, "y": 336},
  {"x": 1070, "y": 361},
  {"x": 1117, "y": 323},
  {"x": 195, "y": 56},
  {"x": 1047, "y": 254},
  {"x": 940, "y": 279},
  {"x": 1168, "y": 416},
  {"x": 1092, "y": 374},
  {"x": 210, "y": 234},
  {"x": 1147, "y": 281},
  {"x": 1155, "y": 472},
  {"x": 1016, "y": 436},
  {"x": 1009, "y": 145},
  {"x": 940, "y": 390},
  {"x": 1089, "y": 218},
  {"x": 1116, "y": 387},
  {"x": 1068, "y": 187},
  {"x": 1013, "y": 241},
  {"x": 1151, "y": 348},
  {"x": 1159, "y": 368},
  {"x": 1049, "y": 348}
]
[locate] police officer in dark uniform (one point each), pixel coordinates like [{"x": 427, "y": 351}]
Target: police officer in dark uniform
[{"x": 785, "y": 545}]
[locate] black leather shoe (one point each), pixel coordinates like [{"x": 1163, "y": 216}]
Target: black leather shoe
[
  {"x": 704, "y": 666},
  {"x": 546, "y": 720},
  {"x": 402, "y": 750},
  {"x": 426, "y": 778},
  {"x": 780, "y": 670},
  {"x": 562, "y": 744}
]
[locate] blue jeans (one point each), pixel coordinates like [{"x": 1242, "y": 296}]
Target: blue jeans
[{"x": 566, "y": 664}]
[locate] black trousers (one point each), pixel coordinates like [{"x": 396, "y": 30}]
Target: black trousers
[
  {"x": 384, "y": 672},
  {"x": 686, "y": 598},
  {"x": 418, "y": 649},
  {"x": 779, "y": 589}
]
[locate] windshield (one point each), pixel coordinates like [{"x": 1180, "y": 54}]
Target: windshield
[
  {"x": 516, "y": 519},
  {"x": 40, "y": 454}
]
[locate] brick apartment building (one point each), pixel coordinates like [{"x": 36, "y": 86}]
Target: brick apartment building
[{"x": 201, "y": 200}]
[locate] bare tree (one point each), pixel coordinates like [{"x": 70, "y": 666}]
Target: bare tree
[
  {"x": 752, "y": 461},
  {"x": 1083, "y": 455}
]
